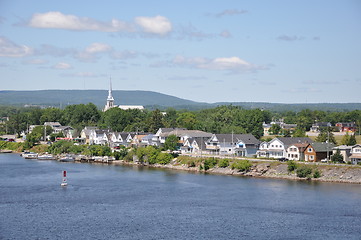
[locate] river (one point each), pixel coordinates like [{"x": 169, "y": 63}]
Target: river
[{"x": 125, "y": 202}]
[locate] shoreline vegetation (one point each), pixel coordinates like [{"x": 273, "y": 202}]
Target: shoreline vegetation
[{"x": 262, "y": 168}]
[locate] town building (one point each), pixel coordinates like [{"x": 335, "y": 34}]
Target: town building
[
  {"x": 345, "y": 151},
  {"x": 110, "y": 102},
  {"x": 356, "y": 154},
  {"x": 349, "y": 127},
  {"x": 277, "y": 147},
  {"x": 243, "y": 145},
  {"x": 318, "y": 151}
]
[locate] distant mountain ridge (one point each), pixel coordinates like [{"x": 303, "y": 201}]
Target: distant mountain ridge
[{"x": 149, "y": 99}]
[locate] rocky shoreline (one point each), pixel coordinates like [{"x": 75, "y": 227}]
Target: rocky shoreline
[{"x": 270, "y": 169}]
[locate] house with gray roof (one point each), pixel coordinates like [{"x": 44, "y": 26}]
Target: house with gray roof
[
  {"x": 277, "y": 147},
  {"x": 233, "y": 144},
  {"x": 317, "y": 151},
  {"x": 195, "y": 145}
]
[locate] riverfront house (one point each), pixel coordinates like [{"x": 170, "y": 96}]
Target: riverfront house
[
  {"x": 356, "y": 154},
  {"x": 233, "y": 144},
  {"x": 317, "y": 151},
  {"x": 277, "y": 147}
]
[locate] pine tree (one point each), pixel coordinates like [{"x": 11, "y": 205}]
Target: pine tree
[
  {"x": 345, "y": 139},
  {"x": 337, "y": 157},
  {"x": 352, "y": 140}
]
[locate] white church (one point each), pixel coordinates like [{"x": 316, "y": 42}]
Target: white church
[{"x": 110, "y": 102}]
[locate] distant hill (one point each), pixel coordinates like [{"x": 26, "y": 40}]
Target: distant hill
[
  {"x": 98, "y": 97},
  {"x": 149, "y": 99}
]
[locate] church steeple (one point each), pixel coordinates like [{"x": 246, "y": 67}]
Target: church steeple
[{"x": 110, "y": 99}]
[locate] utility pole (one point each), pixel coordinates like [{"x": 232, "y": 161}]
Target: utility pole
[{"x": 328, "y": 139}]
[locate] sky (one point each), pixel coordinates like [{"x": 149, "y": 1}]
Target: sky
[{"x": 279, "y": 51}]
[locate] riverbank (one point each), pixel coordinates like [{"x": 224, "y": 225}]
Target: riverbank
[
  {"x": 270, "y": 169},
  {"x": 258, "y": 168}
]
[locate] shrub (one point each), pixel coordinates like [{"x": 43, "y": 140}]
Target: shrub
[
  {"x": 130, "y": 155},
  {"x": 223, "y": 163},
  {"x": 292, "y": 166},
  {"x": 304, "y": 172},
  {"x": 316, "y": 173},
  {"x": 241, "y": 165},
  {"x": 210, "y": 163},
  {"x": 191, "y": 163},
  {"x": 164, "y": 158}
]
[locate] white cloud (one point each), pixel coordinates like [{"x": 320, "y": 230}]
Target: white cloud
[
  {"x": 225, "y": 34},
  {"x": 289, "y": 38},
  {"x": 83, "y": 75},
  {"x": 230, "y": 12},
  {"x": 62, "y": 65},
  {"x": 232, "y": 64},
  {"x": 157, "y": 25},
  {"x": 35, "y": 61},
  {"x": 89, "y": 53},
  {"x": 11, "y": 49},
  {"x": 98, "y": 48},
  {"x": 71, "y": 22}
]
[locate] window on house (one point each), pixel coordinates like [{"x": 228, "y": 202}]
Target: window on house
[
  {"x": 310, "y": 149},
  {"x": 311, "y": 157}
]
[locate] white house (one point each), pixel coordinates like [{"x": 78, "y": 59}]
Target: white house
[
  {"x": 277, "y": 147},
  {"x": 195, "y": 145},
  {"x": 295, "y": 151},
  {"x": 356, "y": 154},
  {"x": 84, "y": 134},
  {"x": 100, "y": 137},
  {"x": 157, "y": 139},
  {"x": 345, "y": 151},
  {"x": 232, "y": 144}
]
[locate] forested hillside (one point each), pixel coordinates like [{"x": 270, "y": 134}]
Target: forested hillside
[{"x": 151, "y": 100}]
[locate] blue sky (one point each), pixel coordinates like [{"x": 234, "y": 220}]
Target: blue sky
[{"x": 209, "y": 51}]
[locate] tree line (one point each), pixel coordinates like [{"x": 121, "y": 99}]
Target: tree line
[{"x": 221, "y": 119}]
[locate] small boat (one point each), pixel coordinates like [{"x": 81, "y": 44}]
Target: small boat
[
  {"x": 29, "y": 155},
  {"x": 6, "y": 151},
  {"x": 67, "y": 158},
  {"x": 46, "y": 156}
]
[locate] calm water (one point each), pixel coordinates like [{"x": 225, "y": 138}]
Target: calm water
[{"x": 116, "y": 202}]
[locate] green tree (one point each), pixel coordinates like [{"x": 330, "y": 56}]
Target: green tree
[
  {"x": 51, "y": 115},
  {"x": 81, "y": 115},
  {"x": 275, "y": 129},
  {"x": 170, "y": 119},
  {"x": 352, "y": 140},
  {"x": 60, "y": 147},
  {"x": 337, "y": 157},
  {"x": 171, "y": 142},
  {"x": 155, "y": 121},
  {"x": 326, "y": 135},
  {"x": 286, "y": 132},
  {"x": 115, "y": 119},
  {"x": 299, "y": 132},
  {"x": 164, "y": 158},
  {"x": 187, "y": 120},
  {"x": 345, "y": 139}
]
